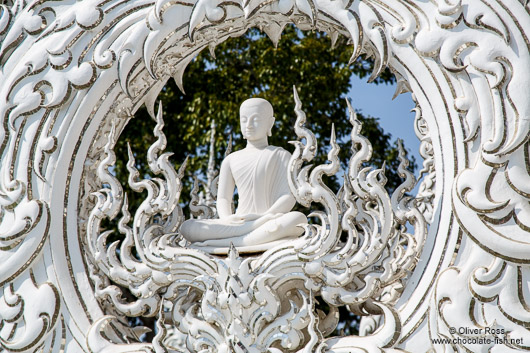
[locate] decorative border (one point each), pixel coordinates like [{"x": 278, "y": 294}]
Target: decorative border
[{"x": 70, "y": 71}]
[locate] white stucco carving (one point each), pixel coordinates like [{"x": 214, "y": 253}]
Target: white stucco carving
[{"x": 73, "y": 74}]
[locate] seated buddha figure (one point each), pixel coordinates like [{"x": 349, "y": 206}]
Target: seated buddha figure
[{"x": 259, "y": 171}]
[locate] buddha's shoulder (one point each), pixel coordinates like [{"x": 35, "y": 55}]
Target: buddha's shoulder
[
  {"x": 279, "y": 150},
  {"x": 236, "y": 156}
]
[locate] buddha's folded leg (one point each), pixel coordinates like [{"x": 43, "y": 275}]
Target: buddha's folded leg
[
  {"x": 200, "y": 230},
  {"x": 285, "y": 226}
]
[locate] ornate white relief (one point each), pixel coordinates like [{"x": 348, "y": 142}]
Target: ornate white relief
[
  {"x": 28, "y": 315},
  {"x": 426, "y": 192},
  {"x": 263, "y": 302},
  {"x": 70, "y": 71}
]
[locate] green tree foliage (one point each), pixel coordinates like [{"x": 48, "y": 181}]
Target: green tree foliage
[{"x": 250, "y": 66}]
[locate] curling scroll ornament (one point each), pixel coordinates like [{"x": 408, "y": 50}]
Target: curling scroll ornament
[{"x": 73, "y": 74}]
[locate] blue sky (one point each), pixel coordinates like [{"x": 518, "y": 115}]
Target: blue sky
[{"x": 394, "y": 115}]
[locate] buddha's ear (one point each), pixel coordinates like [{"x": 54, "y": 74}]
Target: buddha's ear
[{"x": 273, "y": 119}]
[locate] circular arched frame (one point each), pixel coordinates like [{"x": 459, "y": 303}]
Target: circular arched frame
[{"x": 71, "y": 70}]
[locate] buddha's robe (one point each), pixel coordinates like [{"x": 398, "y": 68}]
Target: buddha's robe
[{"x": 261, "y": 179}]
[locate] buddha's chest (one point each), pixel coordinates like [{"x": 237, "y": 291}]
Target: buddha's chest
[{"x": 249, "y": 169}]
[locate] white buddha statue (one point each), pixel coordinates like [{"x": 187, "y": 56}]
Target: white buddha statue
[{"x": 263, "y": 217}]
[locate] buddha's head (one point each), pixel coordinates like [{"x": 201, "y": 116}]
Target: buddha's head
[{"x": 257, "y": 118}]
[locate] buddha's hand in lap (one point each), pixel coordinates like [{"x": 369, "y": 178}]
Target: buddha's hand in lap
[{"x": 238, "y": 219}]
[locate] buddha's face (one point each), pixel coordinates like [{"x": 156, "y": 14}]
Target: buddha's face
[{"x": 256, "y": 117}]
